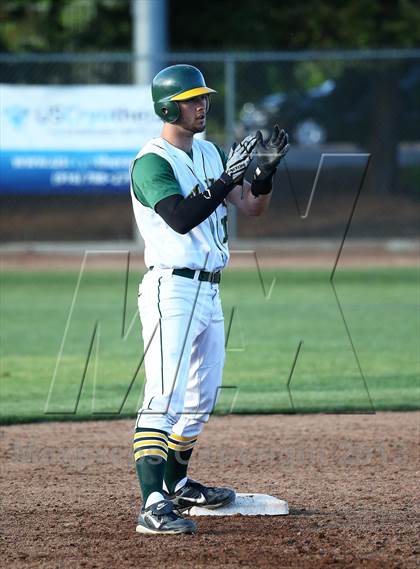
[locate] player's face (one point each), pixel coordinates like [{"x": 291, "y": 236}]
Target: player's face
[{"x": 193, "y": 113}]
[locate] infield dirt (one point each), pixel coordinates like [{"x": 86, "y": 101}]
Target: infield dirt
[{"x": 70, "y": 496}]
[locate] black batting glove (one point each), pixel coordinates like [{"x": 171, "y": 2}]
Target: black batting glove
[{"x": 270, "y": 152}]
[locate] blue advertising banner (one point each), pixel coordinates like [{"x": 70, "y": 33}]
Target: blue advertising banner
[{"x": 57, "y": 139}]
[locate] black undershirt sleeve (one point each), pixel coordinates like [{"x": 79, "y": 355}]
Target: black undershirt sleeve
[{"x": 183, "y": 214}]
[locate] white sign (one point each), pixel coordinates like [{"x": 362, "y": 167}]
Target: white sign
[{"x": 72, "y": 137}]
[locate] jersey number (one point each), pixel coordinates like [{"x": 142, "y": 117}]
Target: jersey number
[{"x": 224, "y": 221}]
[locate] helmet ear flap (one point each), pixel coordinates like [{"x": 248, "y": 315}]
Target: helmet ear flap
[{"x": 168, "y": 111}]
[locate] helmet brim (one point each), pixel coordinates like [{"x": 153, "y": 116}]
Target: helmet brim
[{"x": 191, "y": 93}]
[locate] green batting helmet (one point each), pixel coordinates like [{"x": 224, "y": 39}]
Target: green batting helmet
[{"x": 176, "y": 83}]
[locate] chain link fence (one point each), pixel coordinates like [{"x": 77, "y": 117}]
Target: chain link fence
[{"x": 346, "y": 111}]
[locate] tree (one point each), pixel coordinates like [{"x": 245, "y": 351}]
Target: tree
[
  {"x": 307, "y": 24},
  {"x": 65, "y": 25}
]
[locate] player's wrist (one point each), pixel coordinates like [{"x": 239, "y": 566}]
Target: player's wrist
[
  {"x": 220, "y": 187},
  {"x": 227, "y": 179},
  {"x": 262, "y": 184}
]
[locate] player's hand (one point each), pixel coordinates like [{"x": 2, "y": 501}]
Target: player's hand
[
  {"x": 270, "y": 152},
  {"x": 240, "y": 156}
]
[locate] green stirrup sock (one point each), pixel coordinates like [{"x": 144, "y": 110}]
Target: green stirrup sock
[
  {"x": 150, "y": 448},
  {"x": 150, "y": 472},
  {"x": 176, "y": 467}
]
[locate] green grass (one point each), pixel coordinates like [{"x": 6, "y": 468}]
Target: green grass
[{"x": 381, "y": 309}]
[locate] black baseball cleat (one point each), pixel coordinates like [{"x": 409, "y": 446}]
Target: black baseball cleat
[
  {"x": 160, "y": 518},
  {"x": 195, "y": 494}
]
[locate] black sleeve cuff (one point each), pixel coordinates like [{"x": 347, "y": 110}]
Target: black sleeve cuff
[{"x": 226, "y": 179}]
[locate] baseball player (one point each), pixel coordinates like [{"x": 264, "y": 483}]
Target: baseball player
[{"x": 180, "y": 186}]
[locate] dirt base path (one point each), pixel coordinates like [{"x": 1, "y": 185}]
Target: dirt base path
[
  {"x": 70, "y": 496},
  {"x": 367, "y": 255}
]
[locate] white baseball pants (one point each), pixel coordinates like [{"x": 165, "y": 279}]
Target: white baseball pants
[{"x": 183, "y": 335}]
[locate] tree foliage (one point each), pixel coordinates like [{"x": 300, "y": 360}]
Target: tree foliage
[
  {"x": 97, "y": 25},
  {"x": 307, "y": 24},
  {"x": 65, "y": 25}
]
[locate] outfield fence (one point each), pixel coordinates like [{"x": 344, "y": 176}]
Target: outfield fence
[{"x": 352, "y": 116}]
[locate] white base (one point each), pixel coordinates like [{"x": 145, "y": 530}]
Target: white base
[{"x": 247, "y": 505}]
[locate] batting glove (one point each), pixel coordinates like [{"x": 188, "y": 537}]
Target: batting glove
[
  {"x": 240, "y": 156},
  {"x": 270, "y": 152}
]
